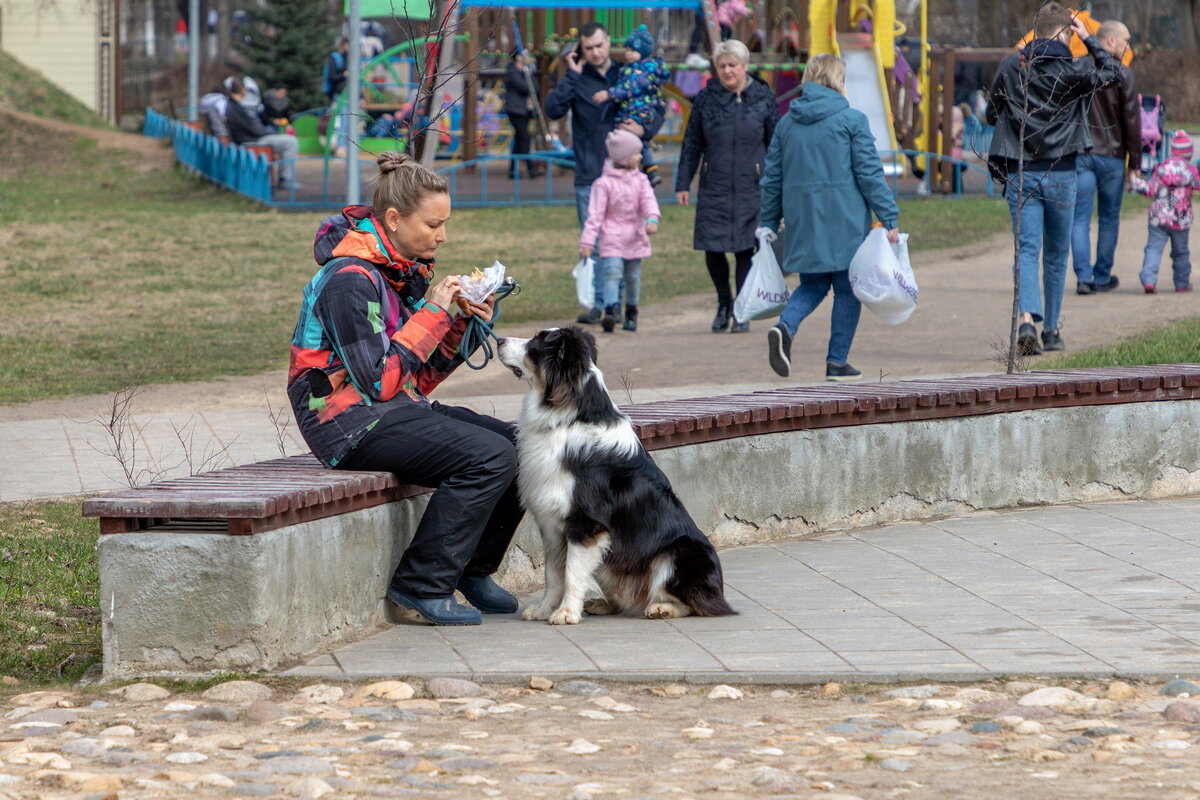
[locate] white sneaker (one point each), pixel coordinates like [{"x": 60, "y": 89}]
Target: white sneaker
[
  {"x": 696, "y": 61},
  {"x": 922, "y": 189}
]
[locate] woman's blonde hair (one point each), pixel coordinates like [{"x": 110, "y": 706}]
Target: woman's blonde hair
[
  {"x": 403, "y": 183},
  {"x": 731, "y": 48},
  {"x": 827, "y": 70}
]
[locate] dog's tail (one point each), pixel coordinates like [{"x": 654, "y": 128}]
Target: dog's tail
[{"x": 698, "y": 579}]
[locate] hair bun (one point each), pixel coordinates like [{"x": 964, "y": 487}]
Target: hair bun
[{"x": 391, "y": 161}]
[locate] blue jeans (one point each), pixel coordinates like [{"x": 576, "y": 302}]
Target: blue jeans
[
  {"x": 1181, "y": 262},
  {"x": 614, "y": 269},
  {"x": 1097, "y": 178},
  {"x": 582, "y": 194},
  {"x": 846, "y": 309},
  {"x": 1046, "y": 213}
]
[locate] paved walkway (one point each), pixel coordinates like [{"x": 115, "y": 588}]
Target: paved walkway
[{"x": 1088, "y": 590}]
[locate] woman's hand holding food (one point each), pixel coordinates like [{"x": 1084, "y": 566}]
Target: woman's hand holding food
[{"x": 442, "y": 293}]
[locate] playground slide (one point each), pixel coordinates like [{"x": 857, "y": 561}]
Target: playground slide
[{"x": 866, "y": 94}]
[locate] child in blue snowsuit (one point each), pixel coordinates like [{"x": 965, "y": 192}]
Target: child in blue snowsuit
[{"x": 638, "y": 91}]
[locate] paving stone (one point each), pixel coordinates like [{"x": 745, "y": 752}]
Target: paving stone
[
  {"x": 586, "y": 688},
  {"x": 1180, "y": 686}
]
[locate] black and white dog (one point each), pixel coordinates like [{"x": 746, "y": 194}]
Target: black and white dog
[{"x": 613, "y": 531}]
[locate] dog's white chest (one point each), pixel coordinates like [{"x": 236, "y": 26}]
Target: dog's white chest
[{"x": 543, "y": 480}]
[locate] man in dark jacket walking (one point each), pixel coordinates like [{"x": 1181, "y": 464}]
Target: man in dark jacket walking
[
  {"x": 520, "y": 93},
  {"x": 590, "y": 121},
  {"x": 1039, "y": 107},
  {"x": 1100, "y": 175}
]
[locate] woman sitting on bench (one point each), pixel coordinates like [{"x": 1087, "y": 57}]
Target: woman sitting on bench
[{"x": 373, "y": 339}]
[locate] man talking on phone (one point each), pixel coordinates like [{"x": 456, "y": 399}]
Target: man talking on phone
[{"x": 590, "y": 122}]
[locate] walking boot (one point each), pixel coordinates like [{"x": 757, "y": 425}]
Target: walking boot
[
  {"x": 630, "y": 323},
  {"x": 486, "y": 595},
  {"x": 721, "y": 320},
  {"x": 438, "y": 610},
  {"x": 611, "y": 315},
  {"x": 589, "y": 317}
]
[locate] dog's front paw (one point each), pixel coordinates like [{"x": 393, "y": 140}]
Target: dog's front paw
[
  {"x": 536, "y": 613},
  {"x": 665, "y": 611},
  {"x": 565, "y": 616}
]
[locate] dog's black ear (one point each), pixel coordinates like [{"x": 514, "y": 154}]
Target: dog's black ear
[{"x": 589, "y": 342}]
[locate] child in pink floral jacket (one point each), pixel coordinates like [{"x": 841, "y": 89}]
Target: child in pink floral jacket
[
  {"x": 623, "y": 211},
  {"x": 1171, "y": 185}
]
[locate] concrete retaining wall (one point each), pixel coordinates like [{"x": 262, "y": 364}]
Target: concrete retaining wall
[{"x": 198, "y": 602}]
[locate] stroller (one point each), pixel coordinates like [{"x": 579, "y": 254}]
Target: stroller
[{"x": 1153, "y": 115}]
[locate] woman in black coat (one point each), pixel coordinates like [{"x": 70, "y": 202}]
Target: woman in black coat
[
  {"x": 731, "y": 124},
  {"x": 520, "y": 94}
]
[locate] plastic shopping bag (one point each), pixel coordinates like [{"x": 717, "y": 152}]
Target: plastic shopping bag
[
  {"x": 584, "y": 274},
  {"x": 764, "y": 294},
  {"x": 882, "y": 277}
]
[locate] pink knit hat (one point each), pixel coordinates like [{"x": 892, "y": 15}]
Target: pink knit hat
[
  {"x": 1181, "y": 145},
  {"x": 622, "y": 145}
]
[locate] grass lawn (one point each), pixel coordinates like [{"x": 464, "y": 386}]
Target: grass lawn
[
  {"x": 50, "y": 628},
  {"x": 29, "y": 91},
  {"x": 117, "y": 274}
]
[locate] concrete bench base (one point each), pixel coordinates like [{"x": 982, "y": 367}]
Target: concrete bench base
[{"x": 196, "y": 602}]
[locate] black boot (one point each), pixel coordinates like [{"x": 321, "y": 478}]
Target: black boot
[
  {"x": 630, "y": 323},
  {"x": 721, "y": 320},
  {"x": 589, "y": 317},
  {"x": 612, "y": 314}
]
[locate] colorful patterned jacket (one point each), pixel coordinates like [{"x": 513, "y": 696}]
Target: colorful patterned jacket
[
  {"x": 366, "y": 341},
  {"x": 1171, "y": 185},
  {"x": 638, "y": 90}
]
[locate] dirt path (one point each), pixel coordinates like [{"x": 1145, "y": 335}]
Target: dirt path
[
  {"x": 156, "y": 155},
  {"x": 962, "y": 318},
  {"x": 585, "y": 741}
]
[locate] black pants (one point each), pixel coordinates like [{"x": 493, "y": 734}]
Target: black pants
[
  {"x": 718, "y": 270},
  {"x": 471, "y": 461},
  {"x": 520, "y": 124}
]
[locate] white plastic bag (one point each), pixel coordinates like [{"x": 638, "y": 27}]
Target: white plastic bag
[
  {"x": 477, "y": 288},
  {"x": 764, "y": 294},
  {"x": 882, "y": 277},
  {"x": 584, "y": 274}
]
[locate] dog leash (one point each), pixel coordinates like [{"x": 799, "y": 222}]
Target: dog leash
[{"x": 478, "y": 332}]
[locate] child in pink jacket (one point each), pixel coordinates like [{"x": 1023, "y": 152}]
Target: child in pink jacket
[{"x": 623, "y": 212}]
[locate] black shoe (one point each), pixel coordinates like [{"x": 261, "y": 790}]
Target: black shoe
[
  {"x": 740, "y": 327},
  {"x": 1027, "y": 340},
  {"x": 721, "y": 320},
  {"x": 589, "y": 317},
  {"x": 486, "y": 595},
  {"x": 1085, "y": 288},
  {"x": 612, "y": 314},
  {"x": 1113, "y": 282},
  {"x": 779, "y": 350},
  {"x": 630, "y": 323},
  {"x": 841, "y": 372},
  {"x": 1051, "y": 340},
  {"x": 652, "y": 173},
  {"x": 438, "y": 610}
]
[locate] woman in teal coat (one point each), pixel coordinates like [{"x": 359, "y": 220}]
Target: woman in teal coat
[{"x": 823, "y": 177}]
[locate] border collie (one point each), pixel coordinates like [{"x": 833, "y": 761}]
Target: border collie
[{"x": 613, "y": 531}]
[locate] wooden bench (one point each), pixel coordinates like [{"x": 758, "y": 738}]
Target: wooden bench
[
  {"x": 255, "y": 567},
  {"x": 271, "y": 494}
]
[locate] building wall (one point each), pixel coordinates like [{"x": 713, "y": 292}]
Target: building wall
[{"x": 59, "y": 40}]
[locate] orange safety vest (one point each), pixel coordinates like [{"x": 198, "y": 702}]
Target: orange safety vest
[{"x": 1077, "y": 47}]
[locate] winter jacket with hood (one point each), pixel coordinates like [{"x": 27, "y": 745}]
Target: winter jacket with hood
[
  {"x": 1171, "y": 185},
  {"x": 638, "y": 90},
  {"x": 726, "y": 139},
  {"x": 621, "y": 202},
  {"x": 590, "y": 121},
  {"x": 1039, "y": 105},
  {"x": 366, "y": 341},
  {"x": 823, "y": 179}
]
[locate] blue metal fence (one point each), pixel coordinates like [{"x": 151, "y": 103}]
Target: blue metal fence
[{"x": 223, "y": 163}]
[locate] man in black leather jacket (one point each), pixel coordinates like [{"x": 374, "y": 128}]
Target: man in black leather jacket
[
  {"x": 1115, "y": 118},
  {"x": 1039, "y": 103}
]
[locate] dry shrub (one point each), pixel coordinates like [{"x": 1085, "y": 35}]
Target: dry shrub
[{"x": 1172, "y": 74}]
